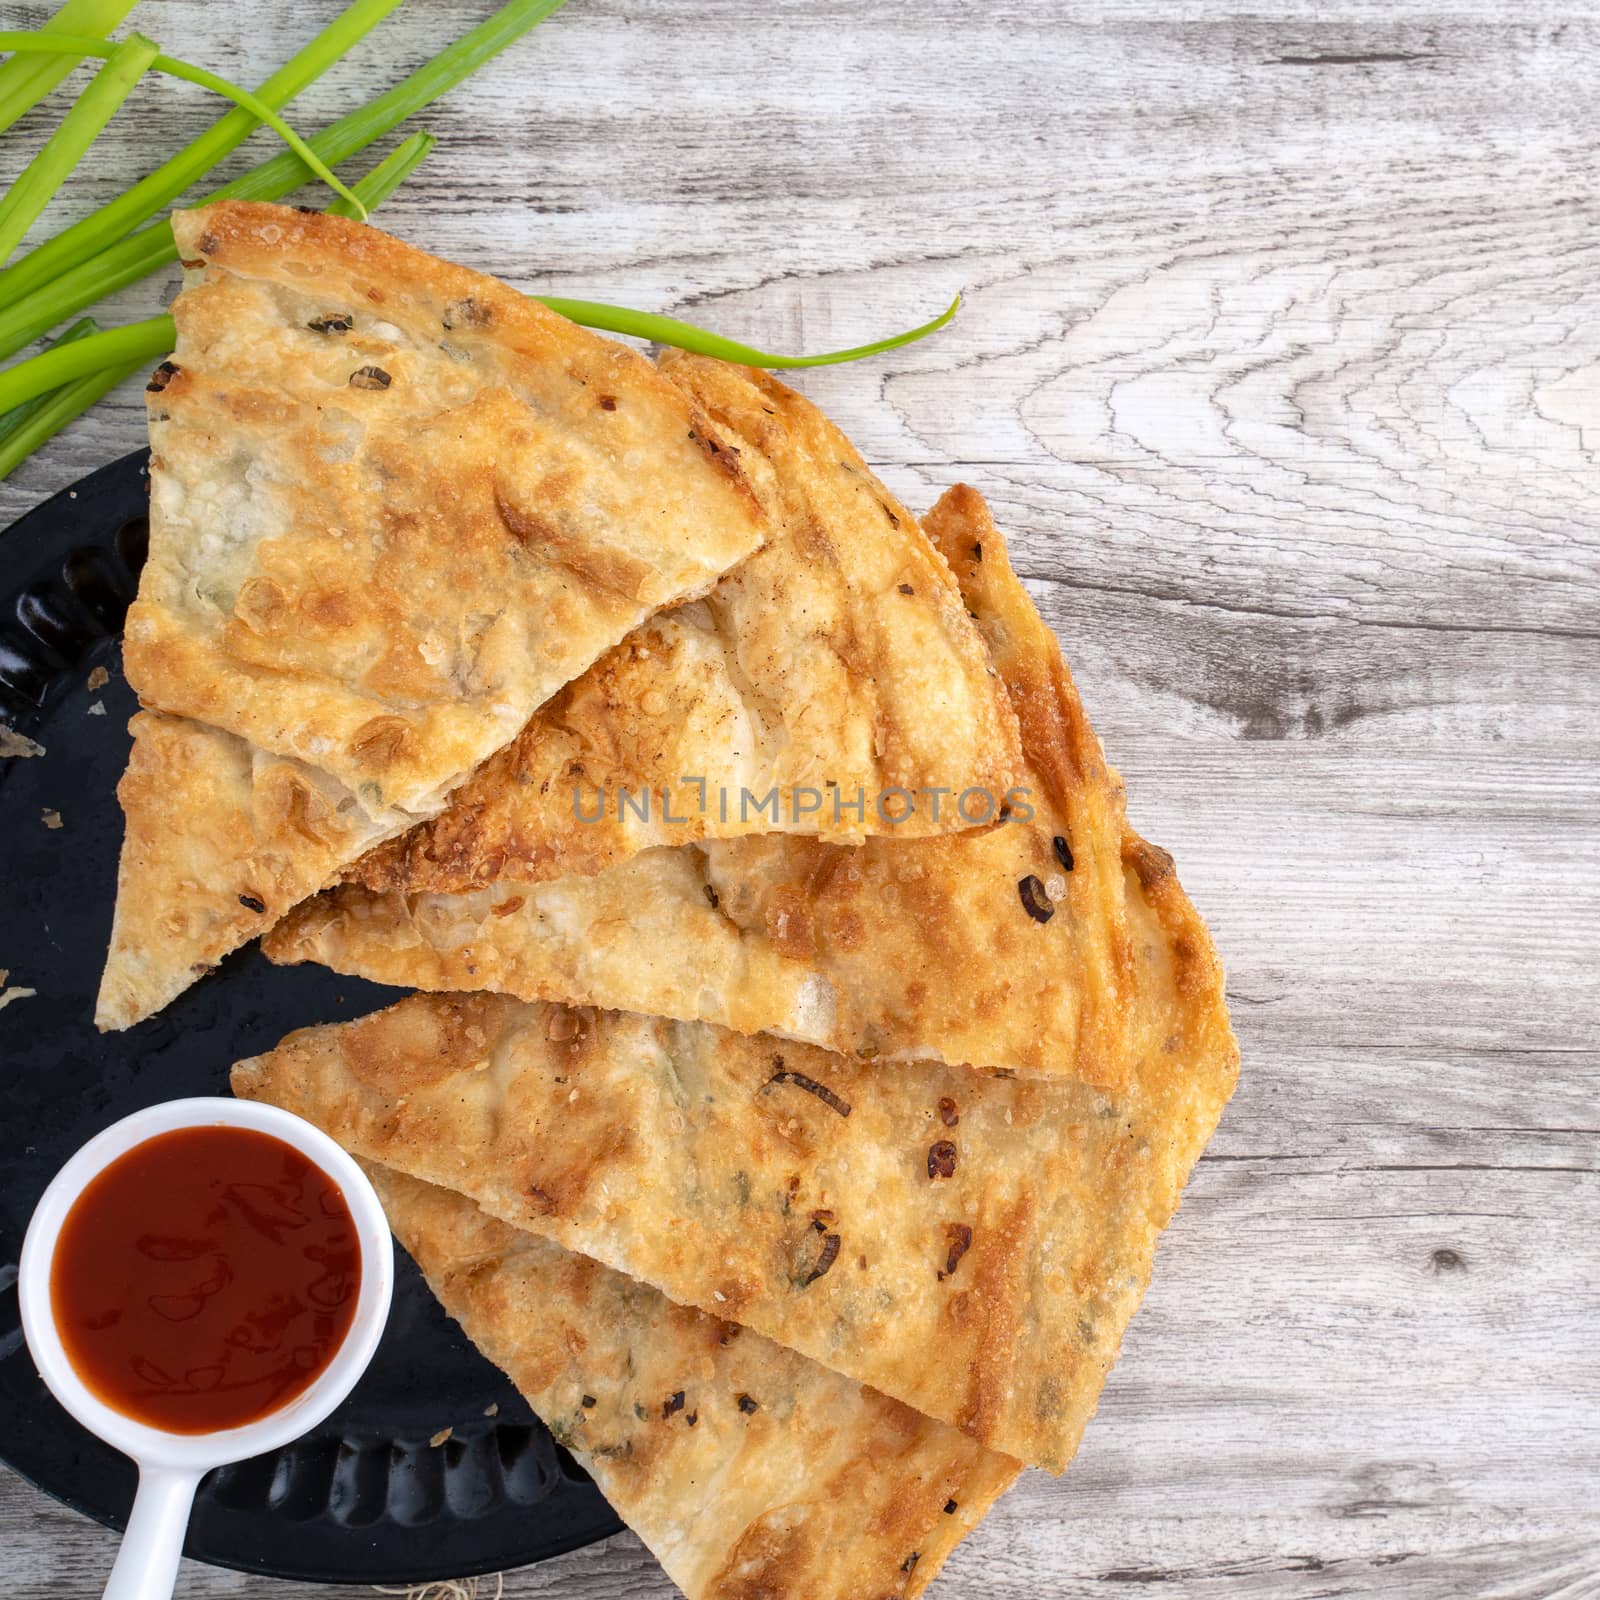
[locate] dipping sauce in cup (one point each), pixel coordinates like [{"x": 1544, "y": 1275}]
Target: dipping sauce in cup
[{"x": 205, "y": 1278}]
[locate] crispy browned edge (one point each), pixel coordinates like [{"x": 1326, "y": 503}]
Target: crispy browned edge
[
  {"x": 1057, "y": 739},
  {"x": 1055, "y": 730},
  {"x": 1060, "y": 742}
]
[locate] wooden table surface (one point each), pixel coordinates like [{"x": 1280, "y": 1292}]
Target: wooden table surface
[{"x": 1280, "y": 362}]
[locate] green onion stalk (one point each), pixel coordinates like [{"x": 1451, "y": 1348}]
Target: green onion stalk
[
  {"x": 157, "y": 191},
  {"x": 79, "y": 286},
  {"x": 37, "y": 183},
  {"x": 93, "y": 259},
  {"x": 26, "y": 79},
  {"x": 56, "y": 410},
  {"x": 83, "y": 46},
  {"x": 685, "y": 336},
  {"x": 11, "y": 421}
]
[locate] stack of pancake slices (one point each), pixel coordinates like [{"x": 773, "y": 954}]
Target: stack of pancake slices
[{"x": 802, "y": 1054}]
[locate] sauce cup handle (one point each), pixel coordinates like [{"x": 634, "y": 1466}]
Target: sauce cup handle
[{"x": 147, "y": 1564}]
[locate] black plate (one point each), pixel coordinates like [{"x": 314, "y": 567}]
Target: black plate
[{"x": 366, "y": 1497}]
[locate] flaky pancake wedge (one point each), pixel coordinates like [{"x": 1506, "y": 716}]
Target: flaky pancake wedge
[
  {"x": 1004, "y": 948},
  {"x": 749, "y": 1472},
  {"x": 220, "y": 840},
  {"x": 394, "y": 507},
  {"x": 974, "y": 1246},
  {"x": 829, "y": 685}
]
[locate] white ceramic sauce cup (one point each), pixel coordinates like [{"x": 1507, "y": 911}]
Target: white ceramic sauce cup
[{"x": 172, "y": 1464}]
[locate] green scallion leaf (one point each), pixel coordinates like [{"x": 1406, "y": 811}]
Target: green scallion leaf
[
  {"x": 155, "y": 192},
  {"x": 355, "y": 131},
  {"x": 26, "y": 80},
  {"x": 12, "y": 420},
  {"x": 36, "y": 185},
  {"x": 102, "y": 275},
  {"x": 56, "y": 410},
  {"x": 389, "y": 173},
  {"x": 84, "y": 46},
  {"x": 685, "y": 336},
  {"x": 133, "y": 345}
]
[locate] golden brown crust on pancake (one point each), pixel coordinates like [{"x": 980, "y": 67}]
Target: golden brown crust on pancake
[
  {"x": 1002, "y": 949},
  {"x": 221, "y": 840},
  {"x": 750, "y": 1472},
  {"x": 973, "y": 1246},
  {"x": 1061, "y": 746},
  {"x": 838, "y": 661},
  {"x": 439, "y": 544},
  {"x": 390, "y": 517}
]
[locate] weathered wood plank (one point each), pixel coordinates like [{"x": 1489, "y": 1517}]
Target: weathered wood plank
[{"x": 1280, "y": 362}]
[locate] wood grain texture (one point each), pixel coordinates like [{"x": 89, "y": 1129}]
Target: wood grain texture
[{"x": 1280, "y": 362}]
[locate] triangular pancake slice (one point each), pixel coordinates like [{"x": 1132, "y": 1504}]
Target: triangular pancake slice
[
  {"x": 221, "y": 839},
  {"x": 973, "y": 1246},
  {"x": 394, "y": 507},
  {"x": 1004, "y": 949},
  {"x": 829, "y": 685},
  {"x": 746, "y": 1469}
]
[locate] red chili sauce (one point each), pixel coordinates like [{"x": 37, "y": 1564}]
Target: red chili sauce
[{"x": 205, "y": 1278}]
